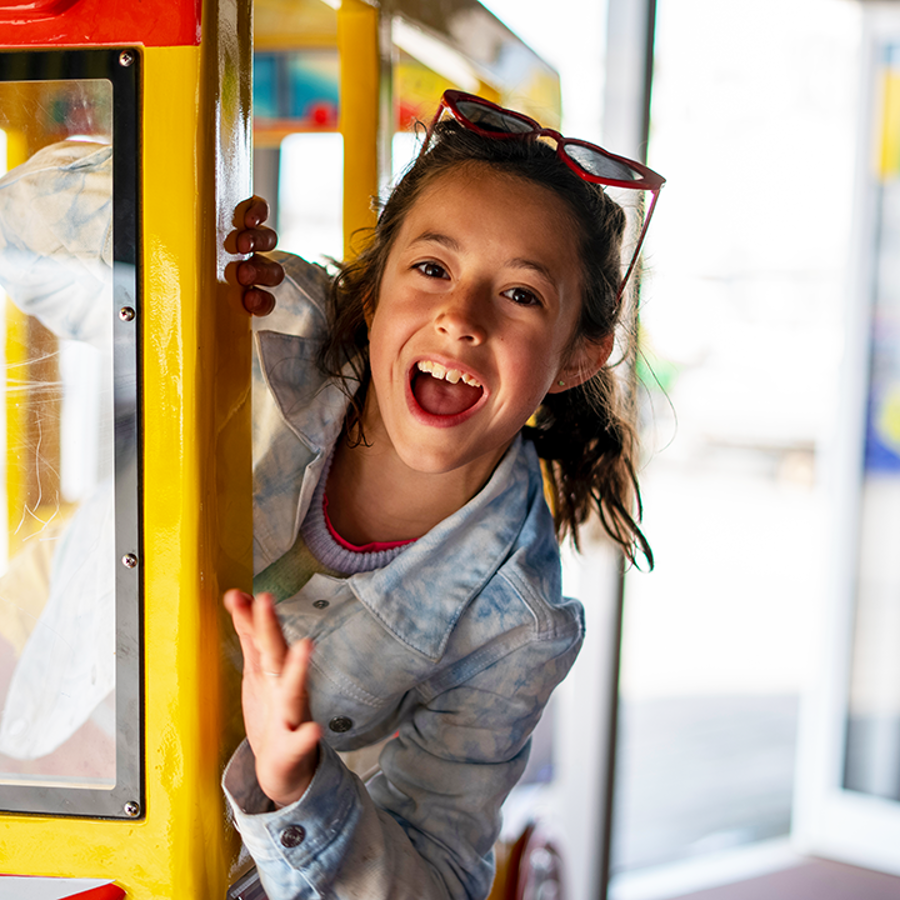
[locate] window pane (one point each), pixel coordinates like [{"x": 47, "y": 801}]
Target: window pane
[{"x": 69, "y": 691}]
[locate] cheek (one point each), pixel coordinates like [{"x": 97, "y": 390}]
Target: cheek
[
  {"x": 535, "y": 374},
  {"x": 539, "y": 367},
  {"x": 369, "y": 312},
  {"x": 376, "y": 350},
  {"x": 386, "y": 340}
]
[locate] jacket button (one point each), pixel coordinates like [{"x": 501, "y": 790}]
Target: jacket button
[
  {"x": 292, "y": 836},
  {"x": 320, "y": 604},
  {"x": 340, "y": 724}
]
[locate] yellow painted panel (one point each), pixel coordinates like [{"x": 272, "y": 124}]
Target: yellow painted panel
[
  {"x": 139, "y": 854},
  {"x": 889, "y": 162},
  {"x": 16, "y": 356},
  {"x": 358, "y": 47},
  {"x": 284, "y": 24},
  {"x": 417, "y": 90},
  {"x": 196, "y": 488}
]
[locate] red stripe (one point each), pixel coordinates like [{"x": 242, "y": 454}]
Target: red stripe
[
  {"x": 373, "y": 547},
  {"x": 79, "y": 23},
  {"x": 104, "y": 892}
]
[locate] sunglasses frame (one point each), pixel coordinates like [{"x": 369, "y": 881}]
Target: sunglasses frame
[{"x": 649, "y": 181}]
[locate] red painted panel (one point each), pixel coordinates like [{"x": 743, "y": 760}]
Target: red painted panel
[
  {"x": 35, "y": 7},
  {"x": 38, "y": 888},
  {"x": 104, "y": 892},
  {"x": 87, "y": 23}
]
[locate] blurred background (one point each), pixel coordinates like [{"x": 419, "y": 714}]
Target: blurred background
[{"x": 749, "y": 688}]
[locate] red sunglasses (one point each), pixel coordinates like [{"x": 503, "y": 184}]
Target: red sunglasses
[{"x": 586, "y": 160}]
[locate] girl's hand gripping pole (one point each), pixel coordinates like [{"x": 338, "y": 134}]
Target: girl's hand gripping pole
[{"x": 257, "y": 272}]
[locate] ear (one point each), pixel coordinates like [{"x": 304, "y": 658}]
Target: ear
[{"x": 587, "y": 360}]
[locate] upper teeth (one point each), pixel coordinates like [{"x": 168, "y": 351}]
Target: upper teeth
[{"x": 436, "y": 370}]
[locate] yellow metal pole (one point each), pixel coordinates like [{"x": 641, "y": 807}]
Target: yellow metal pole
[
  {"x": 16, "y": 380},
  {"x": 359, "y": 72}
]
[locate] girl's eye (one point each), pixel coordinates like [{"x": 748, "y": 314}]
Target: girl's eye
[
  {"x": 431, "y": 270},
  {"x": 522, "y": 296}
]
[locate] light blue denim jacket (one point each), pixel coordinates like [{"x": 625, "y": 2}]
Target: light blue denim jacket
[{"x": 454, "y": 648}]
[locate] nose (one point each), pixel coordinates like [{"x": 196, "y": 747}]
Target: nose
[{"x": 463, "y": 314}]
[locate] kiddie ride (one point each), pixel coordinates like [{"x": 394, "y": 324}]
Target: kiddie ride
[{"x": 125, "y": 441}]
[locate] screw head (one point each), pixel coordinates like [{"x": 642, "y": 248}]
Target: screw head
[
  {"x": 132, "y": 809},
  {"x": 126, "y": 58},
  {"x": 126, "y": 313},
  {"x": 129, "y": 560}
]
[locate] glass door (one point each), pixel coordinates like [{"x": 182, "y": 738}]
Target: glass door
[{"x": 848, "y": 798}]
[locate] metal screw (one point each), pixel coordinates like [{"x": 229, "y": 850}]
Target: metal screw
[
  {"x": 129, "y": 560},
  {"x": 126, "y": 313},
  {"x": 132, "y": 809},
  {"x": 126, "y": 58}
]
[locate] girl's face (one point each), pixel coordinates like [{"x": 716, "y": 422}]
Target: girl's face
[{"x": 476, "y": 312}]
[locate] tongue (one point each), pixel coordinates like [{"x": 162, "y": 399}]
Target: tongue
[{"x": 440, "y": 398}]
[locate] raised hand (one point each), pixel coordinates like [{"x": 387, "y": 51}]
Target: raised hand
[
  {"x": 257, "y": 272},
  {"x": 284, "y": 739}
]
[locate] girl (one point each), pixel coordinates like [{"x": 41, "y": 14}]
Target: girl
[{"x": 401, "y": 526}]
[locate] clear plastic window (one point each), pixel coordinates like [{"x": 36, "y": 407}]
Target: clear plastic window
[{"x": 69, "y": 696}]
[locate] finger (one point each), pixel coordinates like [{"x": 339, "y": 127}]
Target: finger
[
  {"x": 259, "y": 270},
  {"x": 257, "y": 212},
  {"x": 240, "y": 605},
  {"x": 273, "y": 647},
  {"x": 294, "y": 697},
  {"x": 262, "y": 238},
  {"x": 236, "y": 600},
  {"x": 257, "y": 302}
]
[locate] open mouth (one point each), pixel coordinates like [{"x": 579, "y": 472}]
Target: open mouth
[{"x": 444, "y": 392}]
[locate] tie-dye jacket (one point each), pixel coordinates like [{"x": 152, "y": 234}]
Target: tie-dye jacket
[{"x": 454, "y": 648}]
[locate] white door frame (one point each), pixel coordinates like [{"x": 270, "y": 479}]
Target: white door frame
[{"x": 829, "y": 820}]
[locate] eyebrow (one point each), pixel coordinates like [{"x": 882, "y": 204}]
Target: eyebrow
[
  {"x": 437, "y": 238},
  {"x": 540, "y": 268},
  {"x": 515, "y": 263}
]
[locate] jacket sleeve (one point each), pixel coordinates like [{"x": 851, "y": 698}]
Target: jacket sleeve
[{"x": 423, "y": 828}]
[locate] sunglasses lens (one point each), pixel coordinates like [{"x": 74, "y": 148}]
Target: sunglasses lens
[
  {"x": 488, "y": 119},
  {"x": 595, "y": 163}
]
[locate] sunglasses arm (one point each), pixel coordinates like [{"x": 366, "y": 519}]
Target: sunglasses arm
[{"x": 640, "y": 241}]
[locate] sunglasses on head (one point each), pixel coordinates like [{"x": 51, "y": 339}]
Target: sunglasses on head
[{"x": 586, "y": 160}]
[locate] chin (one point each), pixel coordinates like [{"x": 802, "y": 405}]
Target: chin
[{"x": 431, "y": 463}]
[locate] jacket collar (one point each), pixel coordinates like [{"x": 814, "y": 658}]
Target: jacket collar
[
  {"x": 421, "y": 594},
  {"x": 312, "y": 404},
  {"x": 291, "y": 441}
]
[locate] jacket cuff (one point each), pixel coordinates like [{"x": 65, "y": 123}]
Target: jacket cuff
[{"x": 298, "y": 836}]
